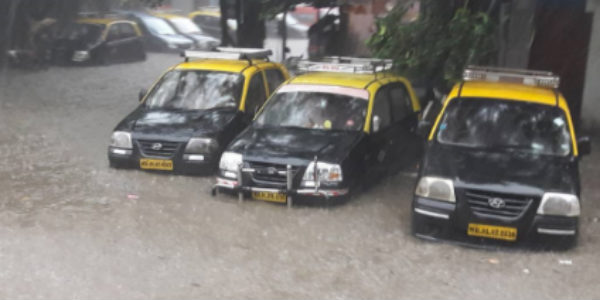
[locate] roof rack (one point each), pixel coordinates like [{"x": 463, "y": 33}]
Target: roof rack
[
  {"x": 229, "y": 53},
  {"x": 527, "y": 77},
  {"x": 344, "y": 64}
]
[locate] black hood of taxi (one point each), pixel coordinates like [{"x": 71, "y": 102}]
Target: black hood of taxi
[
  {"x": 177, "y": 123},
  {"x": 285, "y": 144},
  {"x": 502, "y": 171}
]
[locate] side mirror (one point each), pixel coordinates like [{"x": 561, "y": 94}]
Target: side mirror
[
  {"x": 584, "y": 144},
  {"x": 142, "y": 94},
  {"x": 424, "y": 128},
  {"x": 376, "y": 123}
]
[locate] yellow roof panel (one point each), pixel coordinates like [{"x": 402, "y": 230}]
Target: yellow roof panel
[
  {"x": 508, "y": 91},
  {"x": 360, "y": 81},
  {"x": 101, "y": 21},
  {"x": 210, "y": 13},
  {"x": 223, "y": 65}
]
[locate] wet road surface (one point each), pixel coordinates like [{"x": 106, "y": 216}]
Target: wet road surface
[{"x": 70, "y": 227}]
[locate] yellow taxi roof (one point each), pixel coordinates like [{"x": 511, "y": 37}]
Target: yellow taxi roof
[
  {"x": 224, "y": 65},
  {"x": 211, "y": 13},
  {"x": 509, "y": 91},
  {"x": 360, "y": 81},
  {"x": 101, "y": 21}
]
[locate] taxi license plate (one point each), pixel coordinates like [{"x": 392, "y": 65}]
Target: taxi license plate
[
  {"x": 269, "y": 196},
  {"x": 492, "y": 232},
  {"x": 156, "y": 164}
]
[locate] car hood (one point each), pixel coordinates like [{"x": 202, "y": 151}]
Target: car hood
[
  {"x": 175, "y": 39},
  {"x": 202, "y": 38},
  {"x": 294, "y": 145},
  {"x": 513, "y": 172},
  {"x": 174, "y": 124}
]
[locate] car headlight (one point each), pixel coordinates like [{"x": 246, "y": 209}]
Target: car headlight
[
  {"x": 121, "y": 139},
  {"x": 80, "y": 56},
  {"x": 172, "y": 46},
  {"x": 436, "y": 188},
  {"x": 201, "y": 146},
  {"x": 230, "y": 163},
  {"x": 557, "y": 204},
  {"x": 328, "y": 173}
]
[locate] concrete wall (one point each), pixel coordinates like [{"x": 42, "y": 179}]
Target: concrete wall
[{"x": 590, "y": 112}]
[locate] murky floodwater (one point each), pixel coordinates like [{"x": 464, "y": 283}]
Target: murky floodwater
[{"x": 72, "y": 227}]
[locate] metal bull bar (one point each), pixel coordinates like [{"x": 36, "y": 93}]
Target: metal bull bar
[
  {"x": 289, "y": 190},
  {"x": 289, "y": 174}
]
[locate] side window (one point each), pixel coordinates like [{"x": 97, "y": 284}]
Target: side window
[
  {"x": 113, "y": 32},
  {"x": 256, "y": 93},
  {"x": 401, "y": 103},
  {"x": 127, "y": 31},
  {"x": 382, "y": 108},
  {"x": 274, "y": 78}
]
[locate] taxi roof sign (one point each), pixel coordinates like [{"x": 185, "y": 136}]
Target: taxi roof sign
[
  {"x": 527, "y": 77},
  {"x": 229, "y": 54},
  {"x": 343, "y": 64}
]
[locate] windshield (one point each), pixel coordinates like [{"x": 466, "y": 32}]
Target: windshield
[
  {"x": 196, "y": 90},
  {"x": 185, "y": 25},
  {"x": 314, "y": 110},
  {"x": 88, "y": 33},
  {"x": 479, "y": 123},
  {"x": 158, "y": 26}
]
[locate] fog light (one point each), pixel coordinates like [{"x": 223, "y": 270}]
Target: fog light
[
  {"x": 194, "y": 157},
  {"x": 120, "y": 151}
]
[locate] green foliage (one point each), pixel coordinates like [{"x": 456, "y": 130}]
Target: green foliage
[{"x": 439, "y": 44}]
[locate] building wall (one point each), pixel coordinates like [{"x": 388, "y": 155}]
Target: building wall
[{"x": 591, "y": 97}]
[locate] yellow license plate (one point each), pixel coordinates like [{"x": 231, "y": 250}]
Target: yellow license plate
[
  {"x": 269, "y": 196},
  {"x": 156, "y": 164},
  {"x": 492, "y": 232}
]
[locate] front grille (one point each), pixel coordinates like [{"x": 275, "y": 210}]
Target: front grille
[
  {"x": 479, "y": 202},
  {"x": 166, "y": 149},
  {"x": 269, "y": 173}
]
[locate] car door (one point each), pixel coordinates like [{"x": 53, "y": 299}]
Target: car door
[
  {"x": 257, "y": 94},
  {"x": 274, "y": 79},
  {"x": 130, "y": 43},
  {"x": 381, "y": 138},
  {"x": 113, "y": 45},
  {"x": 404, "y": 123}
]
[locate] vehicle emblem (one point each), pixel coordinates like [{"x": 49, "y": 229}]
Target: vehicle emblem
[
  {"x": 157, "y": 146},
  {"x": 271, "y": 170},
  {"x": 497, "y": 203}
]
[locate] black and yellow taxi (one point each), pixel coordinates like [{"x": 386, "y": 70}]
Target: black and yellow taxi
[
  {"x": 501, "y": 164},
  {"x": 194, "y": 110},
  {"x": 99, "y": 40},
  {"x": 343, "y": 124}
]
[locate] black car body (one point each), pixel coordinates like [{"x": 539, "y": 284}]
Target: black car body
[
  {"x": 99, "y": 41},
  {"x": 348, "y": 129},
  {"x": 498, "y": 167},
  {"x": 191, "y": 114},
  {"x": 158, "y": 34}
]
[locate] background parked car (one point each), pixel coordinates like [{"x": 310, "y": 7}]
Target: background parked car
[
  {"x": 209, "y": 20},
  {"x": 99, "y": 41},
  {"x": 159, "y": 35},
  {"x": 184, "y": 26}
]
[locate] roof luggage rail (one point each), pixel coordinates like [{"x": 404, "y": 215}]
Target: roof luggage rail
[
  {"x": 229, "y": 53},
  {"x": 345, "y": 64},
  {"x": 527, "y": 77}
]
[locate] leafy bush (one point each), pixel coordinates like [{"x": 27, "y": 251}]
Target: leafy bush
[{"x": 436, "y": 47}]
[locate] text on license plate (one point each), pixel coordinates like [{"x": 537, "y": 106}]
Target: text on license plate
[
  {"x": 270, "y": 196},
  {"x": 492, "y": 232},
  {"x": 156, "y": 164}
]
